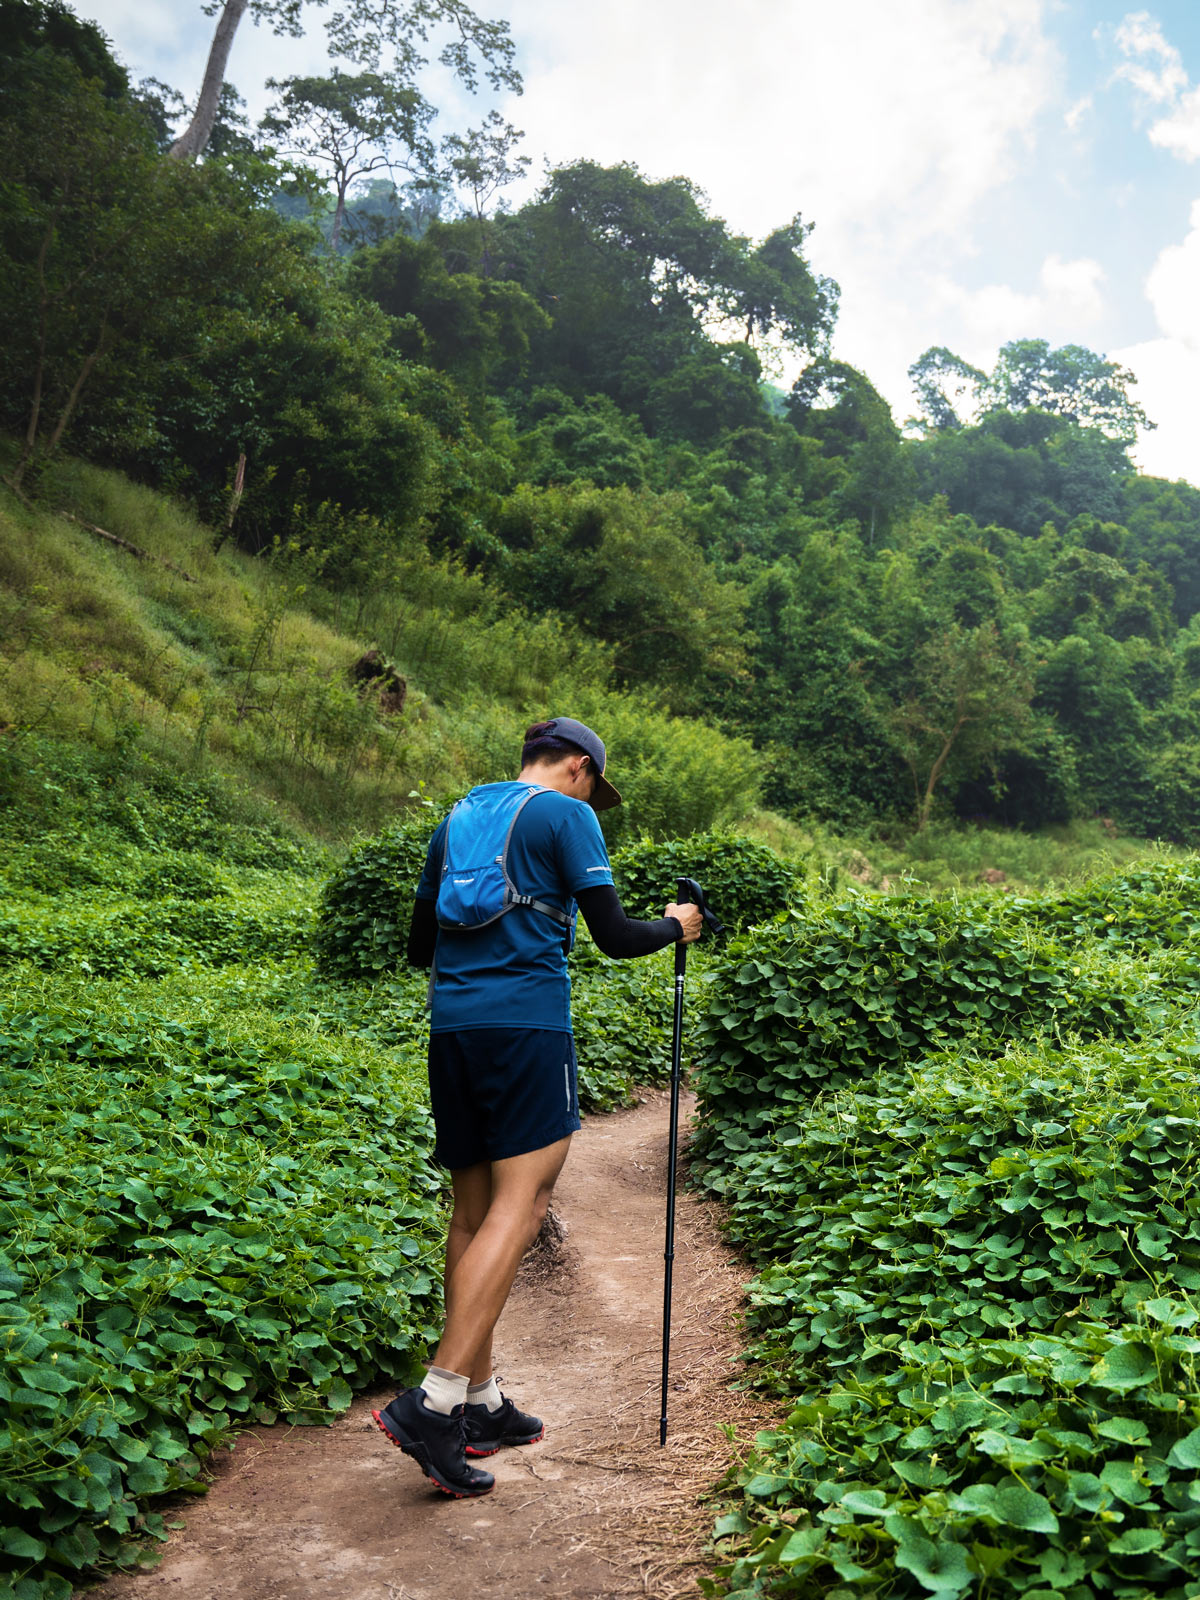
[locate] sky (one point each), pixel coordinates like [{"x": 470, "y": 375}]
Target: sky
[{"x": 975, "y": 170}]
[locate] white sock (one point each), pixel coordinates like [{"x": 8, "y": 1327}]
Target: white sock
[
  {"x": 485, "y": 1394},
  {"x": 444, "y": 1390}
]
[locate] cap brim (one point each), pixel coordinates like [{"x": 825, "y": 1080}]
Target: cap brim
[{"x": 604, "y": 796}]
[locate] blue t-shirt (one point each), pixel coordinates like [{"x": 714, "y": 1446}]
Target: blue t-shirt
[{"x": 513, "y": 973}]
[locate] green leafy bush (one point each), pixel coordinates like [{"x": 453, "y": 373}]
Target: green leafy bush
[
  {"x": 984, "y": 1293},
  {"x": 1141, "y": 909},
  {"x": 155, "y": 1292},
  {"x": 118, "y": 940},
  {"x": 621, "y": 1011},
  {"x": 745, "y": 882},
  {"x": 979, "y": 1242},
  {"x": 62, "y": 863},
  {"x": 366, "y": 905},
  {"x": 834, "y": 995},
  {"x": 180, "y": 877},
  {"x": 677, "y": 776}
]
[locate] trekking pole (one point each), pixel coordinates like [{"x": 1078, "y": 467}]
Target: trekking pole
[{"x": 690, "y": 892}]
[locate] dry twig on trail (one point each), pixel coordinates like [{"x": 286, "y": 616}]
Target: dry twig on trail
[{"x": 549, "y": 1257}]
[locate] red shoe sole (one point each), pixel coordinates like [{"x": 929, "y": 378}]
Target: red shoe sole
[
  {"x": 455, "y": 1494},
  {"x": 496, "y": 1448}
]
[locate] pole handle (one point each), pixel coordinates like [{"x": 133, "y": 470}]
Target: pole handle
[{"x": 690, "y": 892}]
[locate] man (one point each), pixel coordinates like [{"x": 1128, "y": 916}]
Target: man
[{"x": 502, "y": 1060}]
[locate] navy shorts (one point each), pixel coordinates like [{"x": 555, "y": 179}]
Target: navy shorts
[{"x": 499, "y": 1092}]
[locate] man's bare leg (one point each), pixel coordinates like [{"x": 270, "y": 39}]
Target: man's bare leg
[
  {"x": 485, "y": 1247},
  {"x": 472, "y": 1189}
]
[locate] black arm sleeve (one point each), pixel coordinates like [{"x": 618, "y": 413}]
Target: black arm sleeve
[
  {"x": 422, "y": 933},
  {"x": 619, "y": 935}
]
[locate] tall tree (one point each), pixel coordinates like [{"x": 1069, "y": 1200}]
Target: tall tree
[
  {"x": 776, "y": 292},
  {"x": 840, "y": 407},
  {"x": 482, "y": 162},
  {"x": 82, "y": 185},
  {"x": 37, "y": 33},
  {"x": 639, "y": 278},
  {"x": 947, "y": 388},
  {"x": 368, "y": 34},
  {"x": 352, "y": 123},
  {"x": 1072, "y": 382},
  {"x": 970, "y": 699}
]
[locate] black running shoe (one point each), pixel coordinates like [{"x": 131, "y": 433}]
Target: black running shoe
[
  {"x": 488, "y": 1430},
  {"x": 435, "y": 1442}
]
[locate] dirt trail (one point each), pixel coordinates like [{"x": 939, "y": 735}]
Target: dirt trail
[{"x": 595, "y": 1509}]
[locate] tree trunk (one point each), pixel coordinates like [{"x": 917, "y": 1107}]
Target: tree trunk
[
  {"x": 936, "y": 771},
  {"x": 339, "y": 214},
  {"x": 85, "y": 372},
  {"x": 192, "y": 140},
  {"x": 235, "y": 500},
  {"x": 29, "y": 443}
]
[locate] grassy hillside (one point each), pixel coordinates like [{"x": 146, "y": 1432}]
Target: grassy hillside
[
  {"x": 243, "y": 664},
  {"x": 218, "y": 661}
]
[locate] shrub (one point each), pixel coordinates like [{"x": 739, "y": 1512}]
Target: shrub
[
  {"x": 984, "y": 1291},
  {"x": 55, "y": 791},
  {"x": 366, "y": 905},
  {"x": 1140, "y": 909},
  {"x": 744, "y": 882},
  {"x": 621, "y": 1011},
  {"x": 157, "y": 1293},
  {"x": 191, "y": 877},
  {"x": 677, "y": 777},
  {"x": 112, "y": 941},
  {"x": 829, "y": 997}
]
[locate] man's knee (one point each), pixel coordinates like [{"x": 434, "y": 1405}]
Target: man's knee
[
  {"x": 541, "y": 1204},
  {"x": 465, "y": 1226}
]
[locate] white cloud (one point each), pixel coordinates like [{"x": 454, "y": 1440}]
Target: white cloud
[
  {"x": 1168, "y": 368},
  {"x": 882, "y": 122},
  {"x": 1180, "y": 132},
  {"x": 1172, "y": 287},
  {"x": 154, "y": 25},
  {"x": 1152, "y": 65},
  {"x": 1075, "y": 113},
  {"x": 887, "y": 125},
  {"x": 1068, "y": 294},
  {"x": 1168, "y": 381},
  {"x": 1155, "y": 69},
  {"x": 989, "y": 316},
  {"x": 1072, "y": 288}
]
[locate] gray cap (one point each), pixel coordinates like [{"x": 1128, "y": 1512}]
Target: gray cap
[{"x": 604, "y": 797}]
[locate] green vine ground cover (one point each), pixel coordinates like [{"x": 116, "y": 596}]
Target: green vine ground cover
[
  {"x": 962, "y": 1144},
  {"x": 958, "y": 1140},
  {"x": 217, "y": 1203}
]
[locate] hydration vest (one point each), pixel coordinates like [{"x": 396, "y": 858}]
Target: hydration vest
[{"x": 475, "y": 888}]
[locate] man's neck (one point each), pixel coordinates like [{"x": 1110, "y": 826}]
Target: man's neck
[
  {"x": 557, "y": 777},
  {"x": 546, "y": 778}
]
